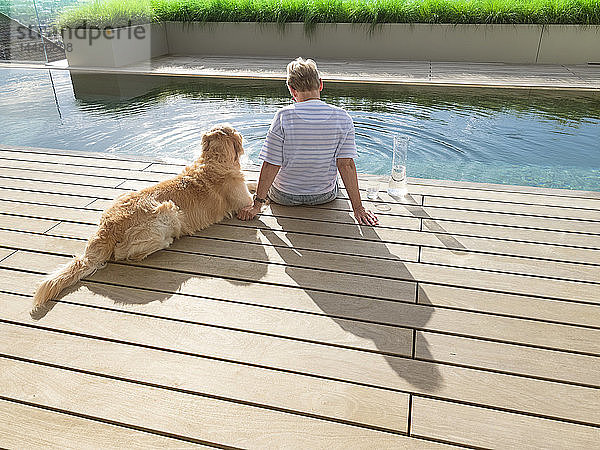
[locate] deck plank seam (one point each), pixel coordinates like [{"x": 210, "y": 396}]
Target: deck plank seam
[
  {"x": 48, "y": 230},
  {"x": 9, "y": 255},
  {"x": 91, "y": 203},
  {"x": 116, "y": 187},
  {"x": 278, "y": 336},
  {"x": 158, "y": 179},
  {"x": 117, "y": 423},
  {"x": 409, "y": 416},
  {"x": 259, "y": 405}
]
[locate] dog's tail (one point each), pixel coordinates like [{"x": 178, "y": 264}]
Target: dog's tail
[{"x": 97, "y": 252}]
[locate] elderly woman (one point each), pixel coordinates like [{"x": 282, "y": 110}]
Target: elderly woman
[{"x": 307, "y": 144}]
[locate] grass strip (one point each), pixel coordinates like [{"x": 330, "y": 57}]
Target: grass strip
[{"x": 116, "y": 13}]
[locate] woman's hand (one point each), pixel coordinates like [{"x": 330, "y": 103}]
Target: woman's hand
[
  {"x": 365, "y": 217},
  {"x": 249, "y": 212}
]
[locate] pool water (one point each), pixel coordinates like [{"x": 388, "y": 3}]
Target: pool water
[{"x": 521, "y": 137}]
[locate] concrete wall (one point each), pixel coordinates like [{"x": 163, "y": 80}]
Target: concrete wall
[
  {"x": 505, "y": 43},
  {"x": 84, "y": 48},
  {"x": 569, "y": 44},
  {"x": 526, "y": 44}
]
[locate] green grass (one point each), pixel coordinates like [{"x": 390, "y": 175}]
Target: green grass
[{"x": 118, "y": 13}]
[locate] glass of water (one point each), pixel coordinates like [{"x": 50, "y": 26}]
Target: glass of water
[
  {"x": 397, "y": 185},
  {"x": 373, "y": 185}
]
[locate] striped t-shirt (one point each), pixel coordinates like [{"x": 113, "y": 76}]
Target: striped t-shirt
[{"x": 305, "y": 139}]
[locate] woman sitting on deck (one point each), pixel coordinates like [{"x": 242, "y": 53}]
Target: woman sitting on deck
[{"x": 306, "y": 145}]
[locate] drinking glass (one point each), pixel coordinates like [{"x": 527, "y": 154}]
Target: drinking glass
[
  {"x": 397, "y": 185},
  {"x": 373, "y": 185}
]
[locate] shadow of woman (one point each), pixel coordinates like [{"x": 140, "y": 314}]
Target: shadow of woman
[
  {"x": 389, "y": 322},
  {"x": 161, "y": 275}
]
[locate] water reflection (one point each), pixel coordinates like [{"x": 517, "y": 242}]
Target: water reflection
[{"x": 493, "y": 135}]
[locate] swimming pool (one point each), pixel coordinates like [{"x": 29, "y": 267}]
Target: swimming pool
[{"x": 523, "y": 137}]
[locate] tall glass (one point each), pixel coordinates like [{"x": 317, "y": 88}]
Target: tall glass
[{"x": 397, "y": 185}]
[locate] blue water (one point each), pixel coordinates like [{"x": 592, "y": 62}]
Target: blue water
[{"x": 523, "y": 137}]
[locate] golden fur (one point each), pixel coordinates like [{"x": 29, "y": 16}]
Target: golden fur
[{"x": 140, "y": 223}]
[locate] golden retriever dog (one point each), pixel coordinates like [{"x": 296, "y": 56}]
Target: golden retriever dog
[{"x": 140, "y": 223}]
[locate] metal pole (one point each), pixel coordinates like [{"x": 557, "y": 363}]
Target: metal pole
[{"x": 40, "y": 30}]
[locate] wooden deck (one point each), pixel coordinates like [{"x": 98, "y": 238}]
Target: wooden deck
[{"x": 470, "y": 317}]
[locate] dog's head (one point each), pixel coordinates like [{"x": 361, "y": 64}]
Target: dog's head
[{"x": 222, "y": 144}]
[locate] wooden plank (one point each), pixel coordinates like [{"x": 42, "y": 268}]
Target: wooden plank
[
  {"x": 209, "y": 241},
  {"x": 509, "y": 304},
  {"x": 454, "y": 297},
  {"x": 97, "y": 172},
  {"x": 39, "y": 197},
  {"x": 439, "y": 217},
  {"x": 537, "y": 202},
  {"x": 587, "y": 211},
  {"x": 336, "y": 400},
  {"x": 404, "y": 374},
  {"x": 539, "y": 236},
  {"x": 490, "y": 389},
  {"x": 367, "y": 243},
  {"x": 72, "y": 160},
  {"x": 343, "y": 204},
  {"x": 514, "y": 264},
  {"x": 58, "y": 177},
  {"x": 26, "y": 223},
  {"x": 512, "y": 220},
  {"x": 294, "y": 228},
  {"x": 517, "y": 359},
  {"x": 435, "y": 239},
  {"x": 381, "y": 237},
  {"x": 311, "y": 273},
  {"x": 242, "y": 242},
  {"x": 260, "y": 270},
  {"x": 86, "y": 215},
  {"x": 440, "y": 213},
  {"x": 198, "y": 417},
  {"x": 161, "y": 284},
  {"x": 384, "y": 199},
  {"x": 442, "y": 185},
  {"x": 80, "y": 154},
  {"x": 487, "y": 428},
  {"x": 62, "y": 188},
  {"x": 23, "y": 426}
]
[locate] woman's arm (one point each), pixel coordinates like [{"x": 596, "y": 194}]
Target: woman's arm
[
  {"x": 347, "y": 170},
  {"x": 268, "y": 172}
]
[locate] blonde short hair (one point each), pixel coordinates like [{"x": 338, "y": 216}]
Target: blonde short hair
[{"x": 303, "y": 75}]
